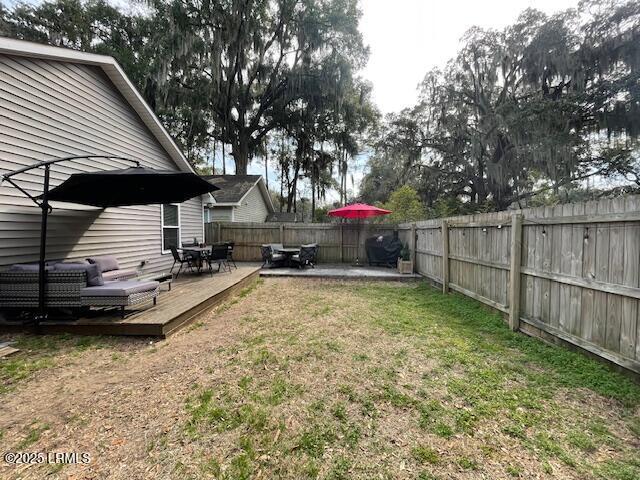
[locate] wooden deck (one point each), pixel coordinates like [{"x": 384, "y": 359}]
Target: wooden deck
[
  {"x": 189, "y": 296},
  {"x": 340, "y": 272}
]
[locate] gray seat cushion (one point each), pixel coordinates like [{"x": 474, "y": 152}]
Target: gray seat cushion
[
  {"x": 119, "y": 289},
  {"x": 277, "y": 257},
  {"x": 276, "y": 246},
  {"x": 94, "y": 275},
  {"x": 28, "y": 267},
  {"x": 105, "y": 262},
  {"x": 121, "y": 273}
]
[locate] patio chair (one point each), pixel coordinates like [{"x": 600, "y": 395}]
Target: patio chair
[
  {"x": 269, "y": 258},
  {"x": 307, "y": 256},
  {"x": 218, "y": 254},
  {"x": 180, "y": 259},
  {"x": 230, "y": 259},
  {"x": 193, "y": 243}
]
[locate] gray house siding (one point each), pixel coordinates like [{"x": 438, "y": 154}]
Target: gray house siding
[
  {"x": 191, "y": 220},
  {"x": 50, "y": 109},
  {"x": 222, "y": 214},
  {"x": 252, "y": 208}
]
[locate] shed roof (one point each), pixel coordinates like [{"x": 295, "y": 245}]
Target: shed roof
[
  {"x": 233, "y": 188},
  {"x": 284, "y": 217}
]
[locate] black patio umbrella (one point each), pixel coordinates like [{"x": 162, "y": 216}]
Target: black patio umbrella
[
  {"x": 111, "y": 188},
  {"x": 129, "y": 186}
]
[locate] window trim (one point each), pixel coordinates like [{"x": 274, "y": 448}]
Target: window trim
[{"x": 162, "y": 227}]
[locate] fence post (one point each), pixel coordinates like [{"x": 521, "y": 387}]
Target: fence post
[
  {"x": 282, "y": 233},
  {"x": 413, "y": 247},
  {"x": 445, "y": 256},
  {"x": 219, "y": 232},
  {"x": 514, "y": 271}
]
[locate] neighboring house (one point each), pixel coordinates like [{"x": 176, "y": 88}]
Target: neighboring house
[
  {"x": 283, "y": 217},
  {"x": 56, "y": 102},
  {"x": 241, "y": 198}
]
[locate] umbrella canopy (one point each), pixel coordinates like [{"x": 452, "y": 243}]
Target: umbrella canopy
[
  {"x": 358, "y": 210},
  {"x": 130, "y": 186}
]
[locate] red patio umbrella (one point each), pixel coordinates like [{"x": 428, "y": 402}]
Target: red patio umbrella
[{"x": 358, "y": 211}]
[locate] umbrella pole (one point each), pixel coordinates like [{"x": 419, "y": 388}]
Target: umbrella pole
[
  {"x": 358, "y": 244},
  {"x": 42, "y": 312}
]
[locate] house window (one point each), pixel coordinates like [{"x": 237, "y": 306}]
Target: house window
[{"x": 170, "y": 226}]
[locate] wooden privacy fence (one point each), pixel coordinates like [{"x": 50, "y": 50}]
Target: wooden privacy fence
[
  {"x": 337, "y": 240},
  {"x": 569, "y": 271}
]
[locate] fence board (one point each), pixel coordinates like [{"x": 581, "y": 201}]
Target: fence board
[
  {"x": 631, "y": 249},
  {"x": 616, "y": 276},
  {"x": 602, "y": 274},
  {"x": 589, "y": 272},
  {"x": 546, "y": 267}
]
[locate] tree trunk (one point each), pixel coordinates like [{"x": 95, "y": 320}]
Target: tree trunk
[
  {"x": 480, "y": 184},
  {"x": 343, "y": 178},
  {"x": 224, "y": 161},
  {"x": 213, "y": 158},
  {"x": 281, "y": 188},
  {"x": 266, "y": 166},
  {"x": 240, "y": 152},
  {"x": 313, "y": 194},
  {"x": 291, "y": 194}
]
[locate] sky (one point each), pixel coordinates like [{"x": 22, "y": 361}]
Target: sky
[{"x": 408, "y": 38}]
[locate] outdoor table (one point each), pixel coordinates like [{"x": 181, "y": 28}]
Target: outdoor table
[
  {"x": 199, "y": 253},
  {"x": 288, "y": 254}
]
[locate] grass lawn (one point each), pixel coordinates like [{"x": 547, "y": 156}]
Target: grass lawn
[{"x": 307, "y": 379}]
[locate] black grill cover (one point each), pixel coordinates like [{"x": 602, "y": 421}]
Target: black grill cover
[{"x": 383, "y": 250}]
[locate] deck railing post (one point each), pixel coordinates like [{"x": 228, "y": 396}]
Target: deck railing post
[
  {"x": 445, "y": 256},
  {"x": 514, "y": 271}
]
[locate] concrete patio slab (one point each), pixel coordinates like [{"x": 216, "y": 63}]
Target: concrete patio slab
[{"x": 337, "y": 271}]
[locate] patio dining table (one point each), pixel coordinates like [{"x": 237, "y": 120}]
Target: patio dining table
[
  {"x": 288, "y": 254},
  {"x": 198, "y": 253}
]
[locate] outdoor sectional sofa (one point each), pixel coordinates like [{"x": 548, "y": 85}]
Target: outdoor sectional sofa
[{"x": 73, "y": 286}]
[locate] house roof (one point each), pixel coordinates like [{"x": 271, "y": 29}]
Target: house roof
[
  {"x": 283, "y": 217},
  {"x": 117, "y": 76},
  {"x": 233, "y": 188}
]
